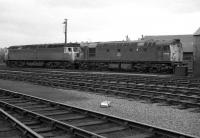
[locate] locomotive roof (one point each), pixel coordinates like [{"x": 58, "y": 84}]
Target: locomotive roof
[
  {"x": 144, "y": 42},
  {"x": 149, "y": 42},
  {"x": 54, "y": 45}
]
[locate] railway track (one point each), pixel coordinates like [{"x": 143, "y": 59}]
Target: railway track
[
  {"x": 10, "y": 127},
  {"x": 179, "y": 97},
  {"x": 127, "y": 77},
  {"x": 51, "y": 119}
]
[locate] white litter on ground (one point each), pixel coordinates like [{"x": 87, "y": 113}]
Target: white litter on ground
[{"x": 105, "y": 104}]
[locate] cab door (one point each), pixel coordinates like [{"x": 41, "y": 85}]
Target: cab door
[
  {"x": 166, "y": 53},
  {"x": 77, "y": 53},
  {"x": 68, "y": 54}
]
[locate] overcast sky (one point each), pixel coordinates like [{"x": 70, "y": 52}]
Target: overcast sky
[{"x": 40, "y": 21}]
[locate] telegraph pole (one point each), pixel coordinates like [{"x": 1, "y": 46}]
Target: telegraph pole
[{"x": 65, "y": 22}]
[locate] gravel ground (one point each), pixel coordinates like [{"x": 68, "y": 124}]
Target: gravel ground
[{"x": 152, "y": 114}]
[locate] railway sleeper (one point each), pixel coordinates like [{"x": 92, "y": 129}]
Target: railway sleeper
[
  {"x": 92, "y": 89},
  {"x": 92, "y": 86}
]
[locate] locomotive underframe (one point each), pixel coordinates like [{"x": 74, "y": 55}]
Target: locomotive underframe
[
  {"x": 117, "y": 65},
  {"x": 129, "y": 66}
]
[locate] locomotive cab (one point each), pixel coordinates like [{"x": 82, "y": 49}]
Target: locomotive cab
[
  {"x": 73, "y": 52},
  {"x": 176, "y": 52}
]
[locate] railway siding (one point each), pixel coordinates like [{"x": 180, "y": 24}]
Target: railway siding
[
  {"x": 182, "y": 97},
  {"x": 118, "y": 127},
  {"x": 10, "y": 127}
]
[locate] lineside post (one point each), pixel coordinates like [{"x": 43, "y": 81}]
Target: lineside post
[
  {"x": 196, "y": 51},
  {"x": 65, "y": 22}
]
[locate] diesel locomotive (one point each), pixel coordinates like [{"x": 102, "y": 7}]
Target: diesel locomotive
[{"x": 138, "y": 56}]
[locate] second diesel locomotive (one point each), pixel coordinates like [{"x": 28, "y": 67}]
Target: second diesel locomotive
[{"x": 139, "y": 56}]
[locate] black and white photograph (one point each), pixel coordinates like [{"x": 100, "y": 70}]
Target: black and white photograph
[{"x": 99, "y": 69}]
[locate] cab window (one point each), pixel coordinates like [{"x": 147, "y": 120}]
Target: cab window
[
  {"x": 69, "y": 49},
  {"x": 166, "y": 49},
  {"x": 75, "y": 49}
]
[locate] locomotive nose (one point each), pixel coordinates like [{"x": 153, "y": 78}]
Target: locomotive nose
[{"x": 76, "y": 53}]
